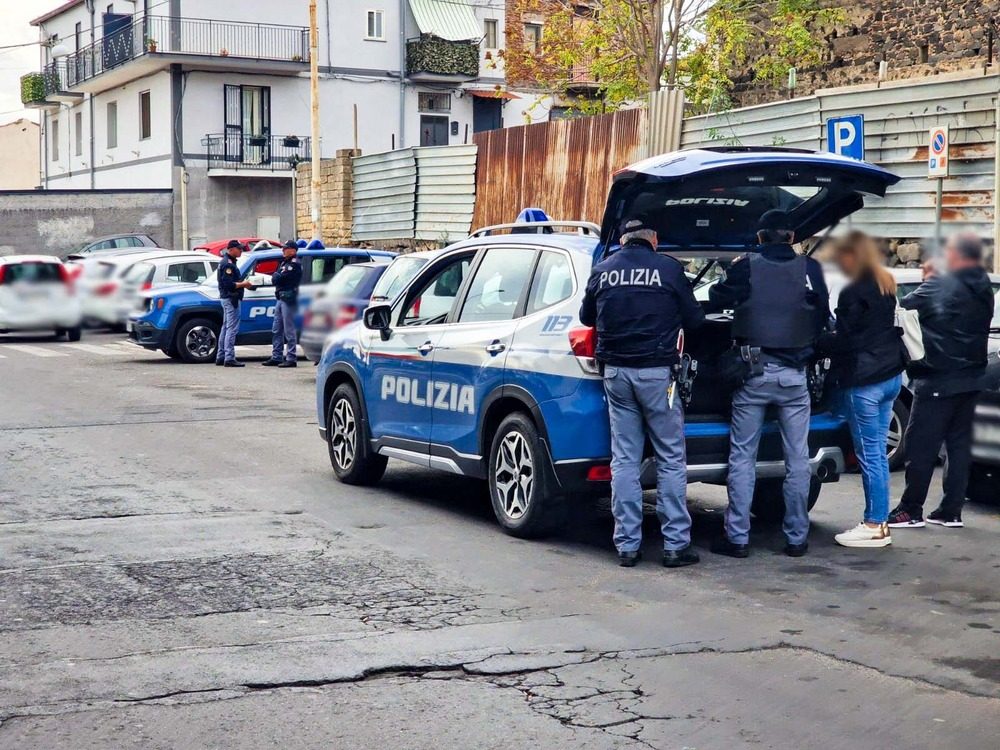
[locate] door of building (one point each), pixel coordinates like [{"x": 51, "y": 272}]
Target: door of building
[
  {"x": 248, "y": 124},
  {"x": 433, "y": 130},
  {"x": 487, "y": 114},
  {"x": 117, "y": 46}
]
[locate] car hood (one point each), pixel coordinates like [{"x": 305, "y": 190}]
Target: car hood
[{"x": 713, "y": 198}]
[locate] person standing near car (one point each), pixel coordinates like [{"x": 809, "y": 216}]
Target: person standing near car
[
  {"x": 286, "y": 278},
  {"x": 639, "y": 301},
  {"x": 231, "y": 286},
  {"x": 781, "y": 305},
  {"x": 867, "y": 363},
  {"x": 955, "y": 309}
]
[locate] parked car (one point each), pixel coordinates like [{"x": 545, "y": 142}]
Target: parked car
[
  {"x": 110, "y": 286},
  {"x": 502, "y": 383},
  {"x": 37, "y": 294},
  {"x": 184, "y": 322},
  {"x": 217, "y": 247},
  {"x": 110, "y": 244},
  {"x": 984, "y": 476},
  {"x": 343, "y": 300}
]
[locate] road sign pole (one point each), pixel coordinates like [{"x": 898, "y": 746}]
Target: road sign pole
[{"x": 937, "y": 215}]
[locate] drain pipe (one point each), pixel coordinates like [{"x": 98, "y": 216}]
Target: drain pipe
[
  {"x": 402, "y": 73},
  {"x": 996, "y": 185},
  {"x": 185, "y": 235}
]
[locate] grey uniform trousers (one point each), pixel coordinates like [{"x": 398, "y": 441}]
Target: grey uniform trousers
[
  {"x": 637, "y": 403},
  {"x": 784, "y": 388},
  {"x": 230, "y": 328},
  {"x": 283, "y": 331}
]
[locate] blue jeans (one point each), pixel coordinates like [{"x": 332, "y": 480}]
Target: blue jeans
[
  {"x": 283, "y": 332},
  {"x": 868, "y": 409},
  {"x": 638, "y": 406}
]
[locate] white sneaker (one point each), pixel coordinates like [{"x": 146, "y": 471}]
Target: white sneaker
[{"x": 863, "y": 535}]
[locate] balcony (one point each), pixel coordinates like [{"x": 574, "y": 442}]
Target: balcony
[
  {"x": 431, "y": 60},
  {"x": 153, "y": 43},
  {"x": 47, "y": 90},
  {"x": 235, "y": 154}
]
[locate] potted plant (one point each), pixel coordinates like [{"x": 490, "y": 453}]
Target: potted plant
[
  {"x": 223, "y": 52},
  {"x": 151, "y": 45},
  {"x": 291, "y": 141},
  {"x": 258, "y": 141},
  {"x": 296, "y": 58}
]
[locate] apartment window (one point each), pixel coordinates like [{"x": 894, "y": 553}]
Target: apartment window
[
  {"x": 78, "y": 133},
  {"x": 490, "y": 33},
  {"x": 376, "y": 26},
  {"x": 145, "y": 120},
  {"x": 433, "y": 102},
  {"x": 112, "y": 124},
  {"x": 533, "y": 37},
  {"x": 54, "y": 132}
]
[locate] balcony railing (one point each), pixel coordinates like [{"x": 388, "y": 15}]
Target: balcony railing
[
  {"x": 273, "y": 153},
  {"x": 429, "y": 56},
  {"x": 151, "y": 35}
]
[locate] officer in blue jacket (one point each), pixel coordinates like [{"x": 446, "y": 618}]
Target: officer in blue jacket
[
  {"x": 286, "y": 278},
  {"x": 781, "y": 305},
  {"x": 639, "y": 302},
  {"x": 231, "y": 286}
]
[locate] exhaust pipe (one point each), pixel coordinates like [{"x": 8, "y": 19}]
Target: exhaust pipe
[{"x": 825, "y": 470}]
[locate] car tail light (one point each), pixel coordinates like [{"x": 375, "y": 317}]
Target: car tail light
[
  {"x": 346, "y": 314},
  {"x": 583, "y": 342},
  {"x": 67, "y": 278},
  {"x": 146, "y": 287},
  {"x": 3, "y": 272},
  {"x": 307, "y": 319},
  {"x": 599, "y": 473},
  {"x": 108, "y": 287}
]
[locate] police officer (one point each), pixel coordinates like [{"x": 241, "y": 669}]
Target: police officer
[
  {"x": 231, "y": 286},
  {"x": 639, "y": 301},
  {"x": 781, "y": 306},
  {"x": 286, "y": 279}
]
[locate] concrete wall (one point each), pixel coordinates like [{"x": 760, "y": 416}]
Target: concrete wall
[
  {"x": 19, "y": 146},
  {"x": 56, "y": 221}
]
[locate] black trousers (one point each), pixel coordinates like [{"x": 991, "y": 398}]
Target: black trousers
[{"x": 933, "y": 421}]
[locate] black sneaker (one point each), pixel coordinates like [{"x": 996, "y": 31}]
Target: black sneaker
[
  {"x": 629, "y": 559},
  {"x": 941, "y": 517},
  {"x": 722, "y": 546},
  {"x": 233, "y": 363},
  {"x": 796, "y": 550},
  {"x": 680, "y": 557},
  {"x": 901, "y": 518},
  {"x": 271, "y": 363},
  {"x": 289, "y": 363}
]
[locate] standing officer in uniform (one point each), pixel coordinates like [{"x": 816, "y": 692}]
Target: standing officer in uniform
[
  {"x": 639, "y": 301},
  {"x": 231, "y": 287},
  {"x": 286, "y": 278},
  {"x": 781, "y": 306}
]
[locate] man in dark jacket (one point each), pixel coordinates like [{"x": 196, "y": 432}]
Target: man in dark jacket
[
  {"x": 286, "y": 279},
  {"x": 639, "y": 301},
  {"x": 781, "y": 305},
  {"x": 955, "y": 309}
]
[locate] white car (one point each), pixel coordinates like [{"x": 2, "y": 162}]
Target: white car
[
  {"x": 111, "y": 285},
  {"x": 37, "y": 293}
]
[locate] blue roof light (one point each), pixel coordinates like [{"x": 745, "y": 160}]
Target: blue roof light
[
  {"x": 531, "y": 215},
  {"x": 316, "y": 245}
]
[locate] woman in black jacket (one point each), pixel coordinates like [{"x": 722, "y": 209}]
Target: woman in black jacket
[{"x": 868, "y": 359}]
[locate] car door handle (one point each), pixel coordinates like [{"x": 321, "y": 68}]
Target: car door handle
[
  {"x": 426, "y": 348},
  {"x": 496, "y": 346}
]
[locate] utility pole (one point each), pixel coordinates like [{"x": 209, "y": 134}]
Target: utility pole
[{"x": 315, "y": 198}]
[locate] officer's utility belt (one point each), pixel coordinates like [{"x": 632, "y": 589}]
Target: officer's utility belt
[
  {"x": 287, "y": 296},
  {"x": 739, "y": 364}
]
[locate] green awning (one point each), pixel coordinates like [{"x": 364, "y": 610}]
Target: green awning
[{"x": 446, "y": 19}]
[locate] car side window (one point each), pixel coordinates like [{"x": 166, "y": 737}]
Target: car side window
[
  {"x": 265, "y": 267},
  {"x": 103, "y": 245},
  {"x": 553, "y": 281},
  {"x": 498, "y": 284},
  {"x": 213, "y": 267},
  {"x": 188, "y": 273},
  {"x": 436, "y": 297},
  {"x": 321, "y": 270}
]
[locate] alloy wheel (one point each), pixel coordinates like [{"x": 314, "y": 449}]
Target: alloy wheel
[
  {"x": 345, "y": 434},
  {"x": 895, "y": 436},
  {"x": 514, "y": 474},
  {"x": 200, "y": 341}
]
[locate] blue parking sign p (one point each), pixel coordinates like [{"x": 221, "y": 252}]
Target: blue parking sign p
[{"x": 846, "y": 136}]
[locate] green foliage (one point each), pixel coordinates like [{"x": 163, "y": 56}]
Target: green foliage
[
  {"x": 33, "y": 88},
  {"x": 431, "y": 55}
]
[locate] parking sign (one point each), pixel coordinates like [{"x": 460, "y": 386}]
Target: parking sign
[
  {"x": 846, "y": 136},
  {"x": 938, "y": 161}
]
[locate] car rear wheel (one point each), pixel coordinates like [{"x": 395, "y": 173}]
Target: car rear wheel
[
  {"x": 524, "y": 494},
  {"x": 351, "y": 456},
  {"x": 769, "y": 500},
  {"x": 74, "y": 334},
  {"x": 896, "y": 441},
  {"x": 196, "y": 340}
]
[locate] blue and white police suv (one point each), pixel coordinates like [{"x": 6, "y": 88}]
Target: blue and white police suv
[{"x": 481, "y": 367}]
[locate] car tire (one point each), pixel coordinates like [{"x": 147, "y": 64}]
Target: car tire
[
  {"x": 74, "y": 334},
  {"x": 984, "y": 484},
  {"x": 518, "y": 459},
  {"x": 896, "y": 445},
  {"x": 351, "y": 456},
  {"x": 768, "y": 504},
  {"x": 197, "y": 340}
]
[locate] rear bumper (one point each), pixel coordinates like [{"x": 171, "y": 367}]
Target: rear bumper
[
  {"x": 147, "y": 335},
  {"x": 312, "y": 343}
]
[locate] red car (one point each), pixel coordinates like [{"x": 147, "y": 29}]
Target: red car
[{"x": 218, "y": 246}]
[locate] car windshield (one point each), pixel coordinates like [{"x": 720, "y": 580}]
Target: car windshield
[
  {"x": 903, "y": 289},
  {"x": 344, "y": 283},
  {"x": 399, "y": 273}
]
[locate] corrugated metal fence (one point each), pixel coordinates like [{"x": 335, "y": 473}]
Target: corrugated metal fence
[
  {"x": 384, "y": 205},
  {"x": 563, "y": 166},
  {"x": 446, "y": 192},
  {"x": 898, "y": 117}
]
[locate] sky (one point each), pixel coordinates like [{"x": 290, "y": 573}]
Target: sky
[{"x": 14, "y": 29}]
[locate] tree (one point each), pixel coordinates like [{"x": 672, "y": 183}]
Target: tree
[{"x": 621, "y": 50}]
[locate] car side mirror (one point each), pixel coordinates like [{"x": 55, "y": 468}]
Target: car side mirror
[{"x": 378, "y": 318}]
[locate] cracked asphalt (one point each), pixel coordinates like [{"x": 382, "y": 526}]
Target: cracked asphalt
[{"x": 179, "y": 569}]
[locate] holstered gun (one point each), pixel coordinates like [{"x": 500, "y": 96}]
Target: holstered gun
[
  {"x": 685, "y": 372},
  {"x": 816, "y": 379},
  {"x": 753, "y": 360}
]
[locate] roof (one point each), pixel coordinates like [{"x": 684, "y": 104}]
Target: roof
[
  {"x": 446, "y": 19},
  {"x": 30, "y": 259},
  {"x": 53, "y": 13}
]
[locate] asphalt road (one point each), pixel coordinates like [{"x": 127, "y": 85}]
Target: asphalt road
[{"x": 179, "y": 569}]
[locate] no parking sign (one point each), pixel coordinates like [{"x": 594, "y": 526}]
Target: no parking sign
[{"x": 938, "y": 161}]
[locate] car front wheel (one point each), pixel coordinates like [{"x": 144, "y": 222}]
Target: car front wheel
[
  {"x": 350, "y": 449},
  {"x": 196, "y": 340},
  {"x": 769, "y": 499},
  {"x": 525, "y": 497}
]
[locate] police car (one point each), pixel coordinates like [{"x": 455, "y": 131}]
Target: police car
[
  {"x": 480, "y": 366},
  {"x": 184, "y": 322}
]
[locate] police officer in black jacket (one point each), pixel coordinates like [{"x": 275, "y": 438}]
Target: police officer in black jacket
[
  {"x": 781, "y": 305},
  {"x": 639, "y": 301},
  {"x": 286, "y": 279},
  {"x": 955, "y": 306}
]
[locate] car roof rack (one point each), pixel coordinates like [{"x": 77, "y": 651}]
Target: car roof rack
[{"x": 581, "y": 227}]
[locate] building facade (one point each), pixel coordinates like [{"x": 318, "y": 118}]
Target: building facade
[
  {"x": 19, "y": 146},
  {"x": 211, "y": 98}
]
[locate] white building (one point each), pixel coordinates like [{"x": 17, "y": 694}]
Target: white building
[{"x": 215, "y": 93}]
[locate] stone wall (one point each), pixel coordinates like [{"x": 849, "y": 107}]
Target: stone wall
[
  {"x": 337, "y": 180},
  {"x": 917, "y": 38}
]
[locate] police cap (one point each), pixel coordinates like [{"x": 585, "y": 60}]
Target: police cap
[
  {"x": 233, "y": 244},
  {"x": 290, "y": 245}
]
